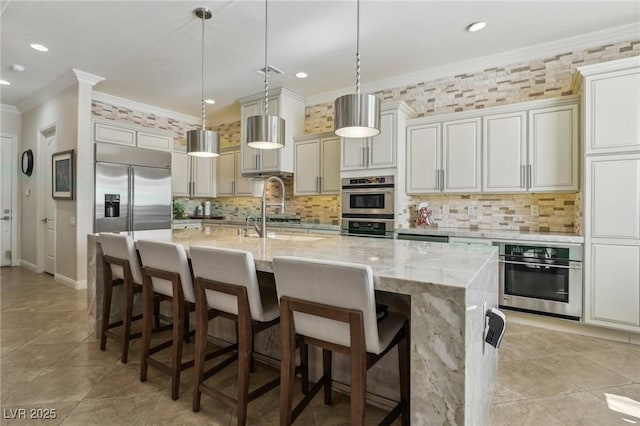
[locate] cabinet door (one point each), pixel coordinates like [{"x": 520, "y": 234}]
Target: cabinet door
[
  {"x": 382, "y": 147},
  {"x": 114, "y": 134},
  {"x": 330, "y": 166},
  {"x": 553, "y": 149},
  {"x": 613, "y": 197},
  {"x": 250, "y": 156},
  {"x": 271, "y": 157},
  {"x": 204, "y": 177},
  {"x": 243, "y": 185},
  {"x": 226, "y": 174},
  {"x": 614, "y": 281},
  {"x": 613, "y": 108},
  {"x": 307, "y": 172},
  {"x": 353, "y": 153},
  {"x": 461, "y": 155},
  {"x": 151, "y": 141},
  {"x": 504, "y": 152},
  {"x": 180, "y": 174},
  {"x": 423, "y": 158}
]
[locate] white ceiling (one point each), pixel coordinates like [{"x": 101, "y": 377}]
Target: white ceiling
[{"x": 149, "y": 51}]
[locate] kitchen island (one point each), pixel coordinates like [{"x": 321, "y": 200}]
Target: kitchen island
[{"x": 448, "y": 288}]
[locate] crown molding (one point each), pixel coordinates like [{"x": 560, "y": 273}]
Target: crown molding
[
  {"x": 139, "y": 106},
  {"x": 85, "y": 77},
  {"x": 581, "y": 42},
  {"x": 617, "y": 65},
  {"x": 10, "y": 108}
]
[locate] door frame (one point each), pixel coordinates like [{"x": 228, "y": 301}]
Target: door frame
[
  {"x": 15, "y": 213},
  {"x": 43, "y": 133}
]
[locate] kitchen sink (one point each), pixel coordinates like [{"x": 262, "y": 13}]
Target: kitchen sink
[{"x": 288, "y": 237}]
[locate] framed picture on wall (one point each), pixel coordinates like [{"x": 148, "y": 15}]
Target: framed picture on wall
[{"x": 63, "y": 173}]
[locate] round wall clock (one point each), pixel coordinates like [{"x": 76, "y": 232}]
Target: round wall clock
[{"x": 27, "y": 162}]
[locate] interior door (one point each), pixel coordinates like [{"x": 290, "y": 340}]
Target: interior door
[
  {"x": 7, "y": 176},
  {"x": 50, "y": 210}
]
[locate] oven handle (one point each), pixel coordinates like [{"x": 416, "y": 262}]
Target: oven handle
[{"x": 541, "y": 264}]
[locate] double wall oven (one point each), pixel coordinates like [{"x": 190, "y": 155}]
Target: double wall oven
[
  {"x": 542, "y": 279},
  {"x": 368, "y": 206}
]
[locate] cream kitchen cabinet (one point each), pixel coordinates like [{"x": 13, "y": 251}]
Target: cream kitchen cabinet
[
  {"x": 504, "y": 152},
  {"x": 285, "y": 104},
  {"x": 317, "y": 161},
  {"x": 193, "y": 176},
  {"x": 377, "y": 152},
  {"x": 611, "y": 107},
  {"x": 444, "y": 157},
  {"x": 230, "y": 181},
  {"x": 130, "y": 136}
]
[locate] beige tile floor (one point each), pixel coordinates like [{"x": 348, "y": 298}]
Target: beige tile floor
[{"x": 49, "y": 361}]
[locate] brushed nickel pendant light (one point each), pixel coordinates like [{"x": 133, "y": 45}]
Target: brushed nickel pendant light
[
  {"x": 265, "y": 131},
  {"x": 203, "y": 142},
  {"x": 357, "y": 115}
]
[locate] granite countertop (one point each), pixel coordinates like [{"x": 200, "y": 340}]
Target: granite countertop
[
  {"x": 410, "y": 261},
  {"x": 496, "y": 234}
]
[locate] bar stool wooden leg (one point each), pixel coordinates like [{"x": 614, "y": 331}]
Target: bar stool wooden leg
[
  {"x": 202, "y": 324},
  {"x": 358, "y": 370},
  {"x": 404, "y": 360},
  {"x": 304, "y": 363},
  {"x": 326, "y": 371},
  {"x": 106, "y": 305},
  {"x": 245, "y": 348},
  {"x": 177, "y": 336},
  {"x": 287, "y": 364},
  {"x": 147, "y": 318},
  {"x": 128, "y": 313}
]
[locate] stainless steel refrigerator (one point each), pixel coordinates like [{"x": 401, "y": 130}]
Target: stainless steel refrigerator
[{"x": 132, "y": 189}]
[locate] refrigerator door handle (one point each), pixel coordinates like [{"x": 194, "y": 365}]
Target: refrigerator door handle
[{"x": 131, "y": 199}]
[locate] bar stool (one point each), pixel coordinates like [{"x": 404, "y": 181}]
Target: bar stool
[
  {"x": 121, "y": 267},
  {"x": 332, "y": 306},
  {"x": 166, "y": 274},
  {"x": 226, "y": 282}
]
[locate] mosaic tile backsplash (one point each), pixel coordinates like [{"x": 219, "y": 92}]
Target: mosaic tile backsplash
[{"x": 542, "y": 78}]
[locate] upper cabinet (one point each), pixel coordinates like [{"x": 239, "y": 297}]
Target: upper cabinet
[
  {"x": 285, "y": 104},
  {"x": 380, "y": 151},
  {"x": 193, "y": 176},
  {"x": 230, "y": 181},
  {"x": 129, "y": 135},
  {"x": 612, "y": 91},
  {"x": 531, "y": 146},
  {"x": 317, "y": 159}
]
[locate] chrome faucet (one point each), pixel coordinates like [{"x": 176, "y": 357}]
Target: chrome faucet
[
  {"x": 246, "y": 224},
  {"x": 262, "y": 230}
]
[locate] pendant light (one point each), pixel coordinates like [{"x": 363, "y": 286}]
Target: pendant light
[
  {"x": 265, "y": 131},
  {"x": 357, "y": 115},
  {"x": 203, "y": 142}
]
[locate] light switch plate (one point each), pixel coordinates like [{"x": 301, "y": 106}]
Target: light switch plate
[
  {"x": 445, "y": 209},
  {"x": 535, "y": 211}
]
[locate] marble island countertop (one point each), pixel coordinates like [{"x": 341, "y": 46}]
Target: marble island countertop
[
  {"x": 411, "y": 261},
  {"x": 496, "y": 234}
]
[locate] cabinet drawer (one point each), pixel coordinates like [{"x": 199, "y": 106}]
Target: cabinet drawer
[{"x": 114, "y": 134}]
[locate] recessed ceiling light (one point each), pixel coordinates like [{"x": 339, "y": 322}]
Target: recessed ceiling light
[
  {"x": 39, "y": 47},
  {"x": 476, "y": 26},
  {"x": 5, "y": 83},
  {"x": 17, "y": 68},
  {"x": 301, "y": 74},
  {"x": 210, "y": 101}
]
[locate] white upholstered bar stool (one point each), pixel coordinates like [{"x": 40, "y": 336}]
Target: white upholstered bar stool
[
  {"x": 226, "y": 284},
  {"x": 332, "y": 305},
  {"x": 121, "y": 267},
  {"x": 166, "y": 273}
]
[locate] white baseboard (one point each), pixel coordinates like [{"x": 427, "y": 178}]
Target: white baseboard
[
  {"x": 28, "y": 265},
  {"x": 76, "y": 285},
  {"x": 569, "y": 326}
]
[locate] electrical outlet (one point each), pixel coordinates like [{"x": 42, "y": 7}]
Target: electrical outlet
[
  {"x": 535, "y": 211},
  {"x": 473, "y": 210},
  {"x": 72, "y": 220},
  {"x": 445, "y": 209}
]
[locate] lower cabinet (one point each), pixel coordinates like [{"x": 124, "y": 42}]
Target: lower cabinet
[
  {"x": 193, "y": 176},
  {"x": 612, "y": 241}
]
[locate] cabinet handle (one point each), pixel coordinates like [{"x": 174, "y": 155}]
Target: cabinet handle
[
  {"x": 529, "y": 175},
  {"x": 364, "y": 164},
  {"x": 233, "y": 187},
  {"x": 438, "y": 179},
  {"x": 368, "y": 156},
  {"x": 442, "y": 179},
  {"x": 257, "y": 167},
  {"x": 522, "y": 184}
]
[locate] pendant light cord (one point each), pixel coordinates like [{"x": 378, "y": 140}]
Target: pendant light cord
[
  {"x": 202, "y": 73},
  {"x": 358, "y": 48},
  {"x": 266, "y": 69}
]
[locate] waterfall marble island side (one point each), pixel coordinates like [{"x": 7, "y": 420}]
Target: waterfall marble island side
[{"x": 452, "y": 370}]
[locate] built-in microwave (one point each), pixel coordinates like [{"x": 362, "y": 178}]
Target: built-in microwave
[{"x": 370, "y": 197}]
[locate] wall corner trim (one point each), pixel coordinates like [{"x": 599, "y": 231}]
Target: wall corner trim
[{"x": 85, "y": 77}]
